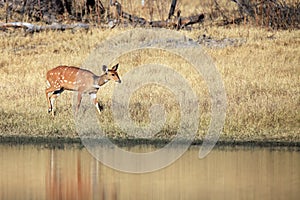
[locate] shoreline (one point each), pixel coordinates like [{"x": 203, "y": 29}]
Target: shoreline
[{"x": 62, "y": 141}]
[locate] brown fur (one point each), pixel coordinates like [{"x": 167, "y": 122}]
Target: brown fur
[{"x": 76, "y": 79}]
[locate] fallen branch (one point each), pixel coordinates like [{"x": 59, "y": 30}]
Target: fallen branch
[
  {"x": 162, "y": 24},
  {"x": 134, "y": 19},
  {"x": 185, "y": 21},
  {"x": 31, "y": 28}
]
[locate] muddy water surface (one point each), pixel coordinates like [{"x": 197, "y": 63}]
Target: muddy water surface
[{"x": 38, "y": 172}]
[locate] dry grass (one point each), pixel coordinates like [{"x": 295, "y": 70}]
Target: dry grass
[
  {"x": 262, "y": 82},
  {"x": 261, "y": 78}
]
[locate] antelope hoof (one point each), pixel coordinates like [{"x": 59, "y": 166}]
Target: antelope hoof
[
  {"x": 101, "y": 107},
  {"x": 49, "y": 110}
]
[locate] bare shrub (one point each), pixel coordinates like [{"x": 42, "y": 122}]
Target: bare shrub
[{"x": 275, "y": 14}]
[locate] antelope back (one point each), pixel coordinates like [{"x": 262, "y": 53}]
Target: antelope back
[{"x": 70, "y": 78}]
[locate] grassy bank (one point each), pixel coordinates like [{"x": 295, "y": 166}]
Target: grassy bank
[{"x": 261, "y": 78}]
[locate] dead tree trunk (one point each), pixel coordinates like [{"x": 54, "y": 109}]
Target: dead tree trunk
[
  {"x": 32, "y": 28},
  {"x": 172, "y": 8}
]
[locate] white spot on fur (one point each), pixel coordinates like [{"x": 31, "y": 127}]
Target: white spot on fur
[
  {"x": 93, "y": 96},
  {"x": 52, "y": 102}
]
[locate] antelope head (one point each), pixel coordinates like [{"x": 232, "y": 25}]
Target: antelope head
[{"x": 109, "y": 74}]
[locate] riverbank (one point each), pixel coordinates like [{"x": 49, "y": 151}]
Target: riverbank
[{"x": 61, "y": 142}]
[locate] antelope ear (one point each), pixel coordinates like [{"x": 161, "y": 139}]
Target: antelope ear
[
  {"x": 115, "y": 68},
  {"x": 104, "y": 68}
]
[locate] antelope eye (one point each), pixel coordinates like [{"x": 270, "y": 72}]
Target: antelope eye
[{"x": 113, "y": 74}]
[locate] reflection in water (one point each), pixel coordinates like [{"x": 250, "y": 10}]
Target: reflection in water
[{"x": 33, "y": 172}]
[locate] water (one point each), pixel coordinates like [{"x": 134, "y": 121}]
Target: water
[{"x": 36, "y": 172}]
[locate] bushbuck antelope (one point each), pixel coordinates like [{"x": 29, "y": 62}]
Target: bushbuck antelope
[{"x": 76, "y": 79}]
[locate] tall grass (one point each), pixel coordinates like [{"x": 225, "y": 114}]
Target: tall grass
[{"x": 261, "y": 78}]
